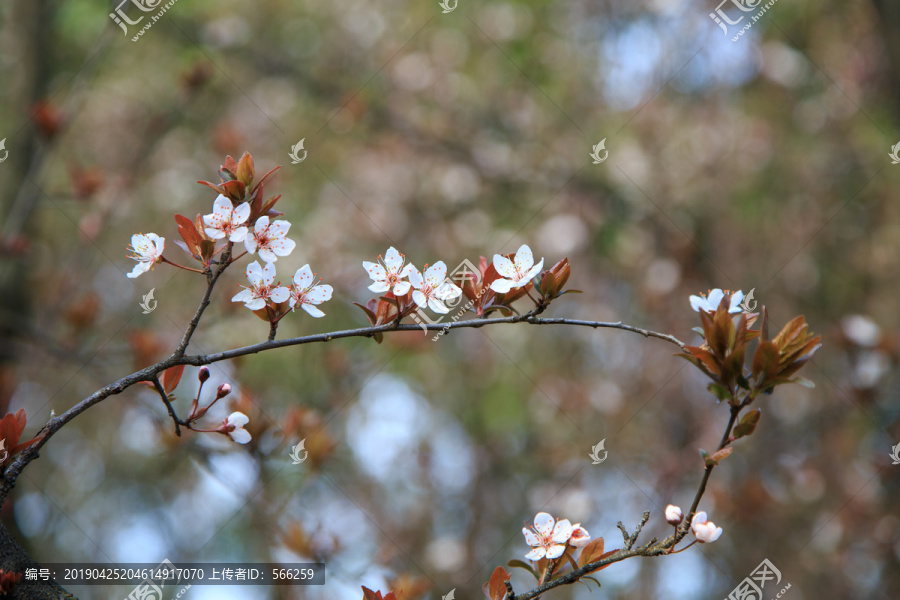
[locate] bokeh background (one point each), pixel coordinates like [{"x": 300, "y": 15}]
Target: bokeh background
[{"x": 759, "y": 164}]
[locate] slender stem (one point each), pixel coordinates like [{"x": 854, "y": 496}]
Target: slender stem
[
  {"x": 211, "y": 278},
  {"x": 735, "y": 410},
  {"x": 273, "y": 328},
  {"x": 165, "y": 399},
  {"x": 175, "y": 264}
]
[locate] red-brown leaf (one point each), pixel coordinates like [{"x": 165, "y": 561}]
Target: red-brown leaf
[
  {"x": 496, "y": 585},
  {"x": 171, "y": 377}
]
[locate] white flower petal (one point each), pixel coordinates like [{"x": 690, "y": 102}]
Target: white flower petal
[
  {"x": 501, "y": 286},
  {"x": 303, "y": 278},
  {"x": 437, "y": 306},
  {"x": 254, "y": 273},
  {"x": 420, "y": 299},
  {"x": 530, "y": 538},
  {"x": 401, "y": 288},
  {"x": 556, "y": 550},
  {"x": 504, "y": 266},
  {"x": 415, "y": 278},
  {"x": 238, "y": 419},
  {"x": 312, "y": 310},
  {"x": 392, "y": 259},
  {"x": 536, "y": 554},
  {"x": 524, "y": 258},
  {"x": 543, "y": 524},
  {"x": 241, "y": 214},
  {"x": 319, "y": 294},
  {"x": 241, "y": 436},
  {"x": 376, "y": 271}
]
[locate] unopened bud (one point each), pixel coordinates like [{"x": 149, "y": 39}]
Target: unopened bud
[
  {"x": 223, "y": 391},
  {"x": 203, "y": 375},
  {"x": 674, "y": 515}
]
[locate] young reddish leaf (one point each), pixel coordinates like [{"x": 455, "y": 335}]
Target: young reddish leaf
[
  {"x": 765, "y": 361},
  {"x": 245, "y": 169},
  {"x": 189, "y": 234},
  {"x": 234, "y": 190},
  {"x": 601, "y": 557},
  {"x": 370, "y": 595},
  {"x": 214, "y": 186},
  {"x": 720, "y": 454},
  {"x": 171, "y": 377},
  {"x": 591, "y": 552},
  {"x": 496, "y": 585},
  {"x": 229, "y": 165}
]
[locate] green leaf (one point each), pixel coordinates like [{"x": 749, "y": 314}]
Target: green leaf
[
  {"x": 747, "y": 424},
  {"x": 589, "y": 578},
  {"x": 523, "y": 565},
  {"x": 719, "y": 391}
]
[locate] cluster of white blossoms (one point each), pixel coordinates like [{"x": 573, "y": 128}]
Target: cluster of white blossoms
[
  {"x": 703, "y": 529},
  {"x": 266, "y": 238},
  {"x": 549, "y": 537},
  {"x": 430, "y": 289}
]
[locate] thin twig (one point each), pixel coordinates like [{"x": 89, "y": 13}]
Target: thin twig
[{"x": 165, "y": 399}]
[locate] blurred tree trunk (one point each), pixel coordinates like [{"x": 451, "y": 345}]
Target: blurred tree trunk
[
  {"x": 27, "y": 27},
  {"x": 889, "y": 11}
]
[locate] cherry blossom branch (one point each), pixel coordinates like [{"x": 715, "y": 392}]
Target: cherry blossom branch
[
  {"x": 652, "y": 548},
  {"x": 149, "y": 374},
  {"x": 529, "y": 318}
]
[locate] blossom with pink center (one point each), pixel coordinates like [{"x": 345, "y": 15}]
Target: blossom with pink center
[
  {"x": 234, "y": 426},
  {"x": 389, "y": 276},
  {"x": 434, "y": 288},
  {"x": 580, "y": 536},
  {"x": 227, "y": 220},
  {"x": 548, "y": 537},
  {"x": 269, "y": 239},
  {"x": 518, "y": 273},
  {"x": 261, "y": 287},
  {"x": 147, "y": 250},
  {"x": 705, "y": 531},
  {"x": 307, "y": 293}
]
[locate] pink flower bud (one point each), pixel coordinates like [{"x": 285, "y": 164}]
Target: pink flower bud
[
  {"x": 705, "y": 531},
  {"x": 203, "y": 375},
  {"x": 223, "y": 391},
  {"x": 674, "y": 515}
]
